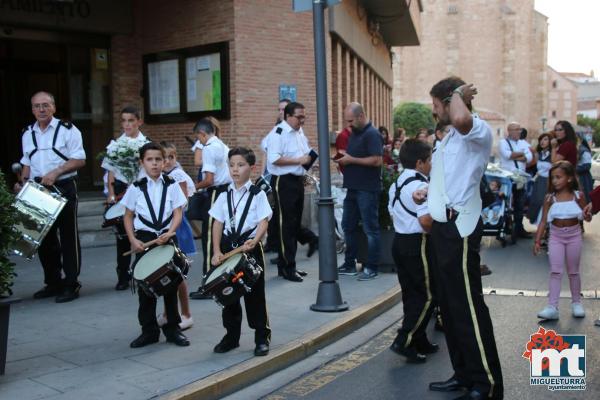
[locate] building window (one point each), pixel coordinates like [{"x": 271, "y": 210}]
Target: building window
[
  {"x": 553, "y": 113},
  {"x": 187, "y": 84},
  {"x": 452, "y": 9},
  {"x": 554, "y": 84}
]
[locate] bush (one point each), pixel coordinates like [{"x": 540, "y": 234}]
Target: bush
[
  {"x": 592, "y": 123},
  {"x": 8, "y": 235},
  {"x": 412, "y": 117}
]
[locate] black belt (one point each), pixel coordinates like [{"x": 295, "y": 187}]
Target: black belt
[
  {"x": 38, "y": 179},
  {"x": 293, "y": 176}
]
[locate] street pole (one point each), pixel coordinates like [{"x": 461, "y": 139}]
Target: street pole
[{"x": 329, "y": 296}]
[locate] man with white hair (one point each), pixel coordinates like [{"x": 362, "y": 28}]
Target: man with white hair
[{"x": 515, "y": 154}]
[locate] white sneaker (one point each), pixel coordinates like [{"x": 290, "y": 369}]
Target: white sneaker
[
  {"x": 577, "y": 309},
  {"x": 161, "y": 319},
  {"x": 549, "y": 312},
  {"x": 186, "y": 323}
]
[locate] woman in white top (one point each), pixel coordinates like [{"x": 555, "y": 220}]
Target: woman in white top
[
  {"x": 563, "y": 211},
  {"x": 540, "y": 185}
]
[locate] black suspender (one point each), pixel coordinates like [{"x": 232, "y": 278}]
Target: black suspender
[
  {"x": 54, "y": 149},
  {"x": 157, "y": 223},
  {"x": 512, "y": 151},
  {"x": 417, "y": 177},
  {"x": 236, "y": 236}
]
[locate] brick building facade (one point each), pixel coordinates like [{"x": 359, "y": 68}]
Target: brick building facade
[
  {"x": 500, "y": 45},
  {"x": 268, "y": 45}
]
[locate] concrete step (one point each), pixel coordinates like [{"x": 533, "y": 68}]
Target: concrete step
[{"x": 90, "y": 207}]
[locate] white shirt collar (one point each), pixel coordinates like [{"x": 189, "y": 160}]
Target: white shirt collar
[
  {"x": 287, "y": 128},
  {"x": 53, "y": 123},
  {"x": 245, "y": 187},
  {"x": 211, "y": 139}
]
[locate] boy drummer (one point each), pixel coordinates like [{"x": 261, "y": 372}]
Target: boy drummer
[
  {"x": 241, "y": 217},
  {"x": 154, "y": 209}
]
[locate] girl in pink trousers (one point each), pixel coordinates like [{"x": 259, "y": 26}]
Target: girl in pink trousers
[{"x": 563, "y": 212}]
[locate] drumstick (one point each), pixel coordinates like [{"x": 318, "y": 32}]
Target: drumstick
[
  {"x": 231, "y": 253},
  {"x": 146, "y": 245}
]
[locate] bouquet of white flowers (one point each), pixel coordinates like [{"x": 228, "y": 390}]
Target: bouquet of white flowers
[{"x": 123, "y": 156}]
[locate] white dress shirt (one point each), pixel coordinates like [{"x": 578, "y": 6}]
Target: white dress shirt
[
  {"x": 289, "y": 143},
  {"x": 259, "y": 209},
  {"x": 181, "y": 176},
  {"x": 403, "y": 221},
  {"x": 214, "y": 159},
  {"x": 134, "y": 200},
  {"x": 465, "y": 158},
  {"x": 68, "y": 142},
  {"x": 517, "y": 146},
  {"x": 544, "y": 164}
]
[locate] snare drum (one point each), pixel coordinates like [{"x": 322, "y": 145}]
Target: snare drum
[
  {"x": 113, "y": 215},
  {"x": 161, "y": 270},
  {"x": 233, "y": 279},
  {"x": 37, "y": 210}
]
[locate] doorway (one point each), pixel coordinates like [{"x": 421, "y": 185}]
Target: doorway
[{"x": 81, "y": 89}]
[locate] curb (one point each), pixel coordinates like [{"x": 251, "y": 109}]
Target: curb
[{"x": 250, "y": 371}]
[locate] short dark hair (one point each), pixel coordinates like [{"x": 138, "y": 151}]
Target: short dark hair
[
  {"x": 523, "y": 135},
  {"x": 444, "y": 88},
  {"x": 245, "y": 152},
  {"x": 291, "y": 108},
  {"x": 412, "y": 151},
  {"x": 151, "y": 146},
  {"x": 205, "y": 125},
  {"x": 168, "y": 145},
  {"x": 285, "y": 100},
  {"x": 132, "y": 110}
]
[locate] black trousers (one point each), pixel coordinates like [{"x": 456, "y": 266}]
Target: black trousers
[
  {"x": 147, "y": 307},
  {"x": 256, "y": 308},
  {"x": 123, "y": 262},
  {"x": 411, "y": 253},
  {"x": 288, "y": 192},
  {"x": 304, "y": 236},
  {"x": 467, "y": 323},
  {"x": 207, "y": 223},
  {"x": 63, "y": 255},
  {"x": 519, "y": 200}
]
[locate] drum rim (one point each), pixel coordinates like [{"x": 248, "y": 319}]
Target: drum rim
[
  {"x": 138, "y": 268},
  {"x": 213, "y": 273}
]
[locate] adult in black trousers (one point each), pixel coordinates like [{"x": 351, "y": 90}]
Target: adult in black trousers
[{"x": 454, "y": 203}]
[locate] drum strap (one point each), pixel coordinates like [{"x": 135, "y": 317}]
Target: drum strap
[
  {"x": 236, "y": 236},
  {"x": 157, "y": 223},
  {"x": 417, "y": 177},
  {"x": 54, "y": 149}
]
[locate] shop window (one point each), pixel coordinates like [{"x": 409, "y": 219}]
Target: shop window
[{"x": 187, "y": 84}]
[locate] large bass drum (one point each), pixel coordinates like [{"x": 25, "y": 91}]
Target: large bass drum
[{"x": 37, "y": 210}]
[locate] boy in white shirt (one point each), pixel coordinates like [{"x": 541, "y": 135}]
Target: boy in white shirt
[
  {"x": 241, "y": 217},
  {"x": 411, "y": 251},
  {"x": 154, "y": 209}
]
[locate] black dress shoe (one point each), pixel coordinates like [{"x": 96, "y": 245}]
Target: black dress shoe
[
  {"x": 144, "y": 340},
  {"x": 312, "y": 247},
  {"x": 47, "y": 291},
  {"x": 291, "y": 275},
  {"x": 473, "y": 395},
  {"x": 68, "y": 294},
  {"x": 451, "y": 385},
  {"x": 426, "y": 347},
  {"x": 261, "y": 350},
  {"x": 224, "y": 346},
  {"x": 411, "y": 354},
  {"x": 122, "y": 285},
  {"x": 200, "y": 295},
  {"x": 301, "y": 273},
  {"x": 177, "y": 338}
]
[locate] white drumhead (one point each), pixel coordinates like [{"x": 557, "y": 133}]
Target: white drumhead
[
  {"x": 115, "y": 211},
  {"x": 227, "y": 266},
  {"x": 153, "y": 260}
]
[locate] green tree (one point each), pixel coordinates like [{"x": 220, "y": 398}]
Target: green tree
[
  {"x": 582, "y": 120},
  {"x": 412, "y": 117}
]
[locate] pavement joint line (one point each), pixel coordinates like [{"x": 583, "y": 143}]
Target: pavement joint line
[
  {"x": 250, "y": 371},
  {"x": 590, "y": 294}
]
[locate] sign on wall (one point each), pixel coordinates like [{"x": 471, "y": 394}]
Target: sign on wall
[{"x": 288, "y": 92}]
